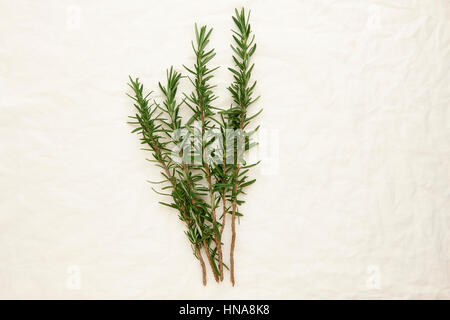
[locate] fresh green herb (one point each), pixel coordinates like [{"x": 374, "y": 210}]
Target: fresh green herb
[{"x": 201, "y": 159}]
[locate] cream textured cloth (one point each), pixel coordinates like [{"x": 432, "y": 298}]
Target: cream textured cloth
[{"x": 352, "y": 199}]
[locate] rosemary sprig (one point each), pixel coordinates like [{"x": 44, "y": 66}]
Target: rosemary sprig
[
  {"x": 188, "y": 179},
  {"x": 200, "y": 102},
  {"x": 150, "y": 126},
  {"x": 242, "y": 91}
]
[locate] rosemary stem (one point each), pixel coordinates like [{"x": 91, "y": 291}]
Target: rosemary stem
[
  {"x": 202, "y": 263},
  {"x": 185, "y": 214},
  {"x": 186, "y": 170},
  {"x": 233, "y": 216},
  {"x": 208, "y": 255},
  {"x": 210, "y": 186}
]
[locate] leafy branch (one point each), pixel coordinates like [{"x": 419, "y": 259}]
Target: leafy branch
[
  {"x": 216, "y": 177},
  {"x": 242, "y": 93}
]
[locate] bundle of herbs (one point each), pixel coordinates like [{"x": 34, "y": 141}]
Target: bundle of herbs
[{"x": 202, "y": 158}]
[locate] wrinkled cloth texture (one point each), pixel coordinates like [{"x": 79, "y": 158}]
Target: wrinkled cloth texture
[{"x": 352, "y": 198}]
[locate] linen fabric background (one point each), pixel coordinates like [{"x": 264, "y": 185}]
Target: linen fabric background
[{"x": 352, "y": 198}]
